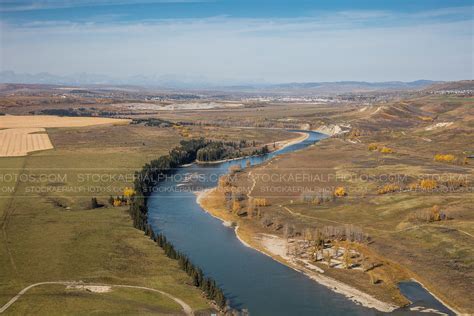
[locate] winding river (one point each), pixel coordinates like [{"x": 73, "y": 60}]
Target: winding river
[{"x": 249, "y": 279}]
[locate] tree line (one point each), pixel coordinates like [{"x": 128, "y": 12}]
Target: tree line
[
  {"x": 152, "y": 122},
  {"x": 207, "y": 285},
  {"x": 77, "y": 112},
  {"x": 148, "y": 177},
  {"x": 218, "y": 150}
]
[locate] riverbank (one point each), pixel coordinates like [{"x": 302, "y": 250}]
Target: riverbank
[
  {"x": 285, "y": 143},
  {"x": 274, "y": 247}
]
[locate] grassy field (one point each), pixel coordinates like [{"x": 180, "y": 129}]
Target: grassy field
[
  {"x": 50, "y": 232},
  {"x": 62, "y": 301}
]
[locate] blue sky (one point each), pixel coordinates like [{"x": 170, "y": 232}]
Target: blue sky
[{"x": 241, "y": 40}]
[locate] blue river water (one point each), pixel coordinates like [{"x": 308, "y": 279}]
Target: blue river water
[{"x": 249, "y": 279}]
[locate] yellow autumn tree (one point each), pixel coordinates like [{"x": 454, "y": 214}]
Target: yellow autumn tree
[
  {"x": 373, "y": 147},
  {"x": 435, "y": 213},
  {"x": 347, "y": 258},
  {"x": 236, "y": 206},
  {"x": 340, "y": 191},
  {"x": 444, "y": 158},
  {"x": 386, "y": 150},
  {"x": 128, "y": 192},
  {"x": 388, "y": 188},
  {"x": 428, "y": 184},
  {"x": 261, "y": 202}
]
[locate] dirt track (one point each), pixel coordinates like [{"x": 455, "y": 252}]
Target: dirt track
[{"x": 186, "y": 308}]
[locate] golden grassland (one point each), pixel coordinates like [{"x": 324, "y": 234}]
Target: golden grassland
[{"x": 437, "y": 253}]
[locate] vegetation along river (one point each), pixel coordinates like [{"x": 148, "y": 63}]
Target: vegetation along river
[{"x": 249, "y": 279}]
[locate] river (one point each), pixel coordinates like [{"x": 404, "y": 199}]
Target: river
[{"x": 249, "y": 279}]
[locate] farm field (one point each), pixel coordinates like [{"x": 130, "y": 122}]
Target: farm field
[
  {"x": 49, "y": 121},
  {"x": 67, "y": 240},
  {"x": 21, "y": 141},
  {"x": 20, "y": 135}
]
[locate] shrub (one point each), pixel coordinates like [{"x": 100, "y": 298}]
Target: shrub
[
  {"x": 430, "y": 215},
  {"x": 428, "y": 184},
  {"x": 435, "y": 213},
  {"x": 261, "y": 202},
  {"x": 95, "y": 204},
  {"x": 444, "y": 158},
  {"x": 386, "y": 150},
  {"x": 234, "y": 169},
  {"x": 340, "y": 191},
  {"x": 426, "y": 118},
  {"x": 373, "y": 147},
  {"x": 388, "y": 188}
]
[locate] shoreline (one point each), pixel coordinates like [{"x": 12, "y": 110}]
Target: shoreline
[
  {"x": 334, "y": 285},
  {"x": 451, "y": 308}
]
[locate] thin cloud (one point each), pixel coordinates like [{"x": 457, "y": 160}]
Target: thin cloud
[
  {"x": 27, "y": 5},
  {"x": 320, "y": 20},
  {"x": 322, "y": 48}
]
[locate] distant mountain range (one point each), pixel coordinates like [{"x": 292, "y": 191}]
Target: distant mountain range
[
  {"x": 340, "y": 86},
  {"x": 167, "y": 81},
  {"x": 171, "y": 81}
]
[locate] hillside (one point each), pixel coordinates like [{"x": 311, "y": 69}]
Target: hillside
[{"x": 400, "y": 177}]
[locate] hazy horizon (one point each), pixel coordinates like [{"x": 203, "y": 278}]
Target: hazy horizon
[
  {"x": 89, "y": 78},
  {"x": 234, "y": 42}
]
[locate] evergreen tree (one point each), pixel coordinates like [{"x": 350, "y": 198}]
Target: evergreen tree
[{"x": 94, "y": 203}]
